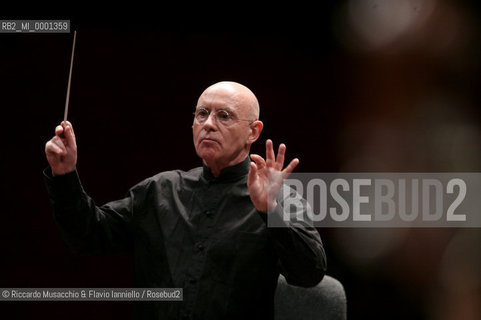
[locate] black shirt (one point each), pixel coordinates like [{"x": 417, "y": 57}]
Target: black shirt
[{"x": 194, "y": 231}]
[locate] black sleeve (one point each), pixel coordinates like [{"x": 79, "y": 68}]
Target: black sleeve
[
  {"x": 302, "y": 259},
  {"x": 85, "y": 227}
]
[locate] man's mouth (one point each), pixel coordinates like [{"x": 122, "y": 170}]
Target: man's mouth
[{"x": 209, "y": 140}]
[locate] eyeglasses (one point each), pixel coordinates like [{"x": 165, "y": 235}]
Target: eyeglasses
[{"x": 222, "y": 116}]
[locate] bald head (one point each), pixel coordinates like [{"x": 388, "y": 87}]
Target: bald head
[{"x": 237, "y": 94}]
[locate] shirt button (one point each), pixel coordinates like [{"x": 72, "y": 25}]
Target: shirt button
[{"x": 200, "y": 246}]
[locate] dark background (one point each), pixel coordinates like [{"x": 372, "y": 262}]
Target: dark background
[{"x": 338, "y": 104}]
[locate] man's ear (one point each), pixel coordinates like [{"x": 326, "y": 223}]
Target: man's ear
[{"x": 256, "y": 129}]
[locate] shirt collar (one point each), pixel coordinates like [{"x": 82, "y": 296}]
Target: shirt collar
[{"x": 228, "y": 174}]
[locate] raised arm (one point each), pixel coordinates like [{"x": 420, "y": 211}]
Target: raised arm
[
  {"x": 301, "y": 254},
  {"x": 85, "y": 227}
]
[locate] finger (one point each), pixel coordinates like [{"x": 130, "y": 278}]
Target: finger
[
  {"x": 280, "y": 156},
  {"x": 270, "y": 156},
  {"x": 55, "y": 146},
  {"x": 58, "y": 142},
  {"x": 59, "y": 131},
  {"x": 65, "y": 123},
  {"x": 252, "y": 177},
  {"x": 288, "y": 170},
  {"x": 260, "y": 162},
  {"x": 52, "y": 149},
  {"x": 70, "y": 135}
]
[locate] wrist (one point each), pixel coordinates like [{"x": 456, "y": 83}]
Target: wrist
[
  {"x": 270, "y": 208},
  {"x": 61, "y": 172}
]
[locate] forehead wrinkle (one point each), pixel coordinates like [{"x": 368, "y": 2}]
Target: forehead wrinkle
[{"x": 217, "y": 102}]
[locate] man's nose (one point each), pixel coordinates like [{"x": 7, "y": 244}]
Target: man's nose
[{"x": 211, "y": 122}]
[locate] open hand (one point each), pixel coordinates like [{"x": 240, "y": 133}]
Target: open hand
[{"x": 266, "y": 177}]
